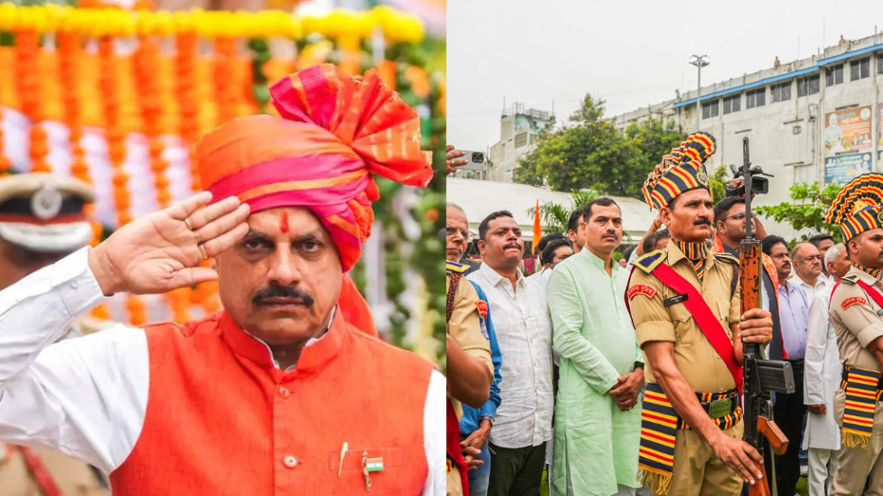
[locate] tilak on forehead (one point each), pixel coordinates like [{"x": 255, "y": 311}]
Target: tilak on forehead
[{"x": 335, "y": 134}]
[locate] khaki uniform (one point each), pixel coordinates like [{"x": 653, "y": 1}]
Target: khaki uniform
[
  {"x": 696, "y": 469},
  {"x": 856, "y": 324},
  {"x": 73, "y": 477},
  {"x": 465, "y": 324},
  {"x": 465, "y": 327}
]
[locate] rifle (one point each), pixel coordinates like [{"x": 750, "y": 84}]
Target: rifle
[{"x": 761, "y": 377}]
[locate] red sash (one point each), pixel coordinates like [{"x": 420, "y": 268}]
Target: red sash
[
  {"x": 873, "y": 293},
  {"x": 39, "y": 471},
  {"x": 705, "y": 318},
  {"x": 454, "y": 451}
]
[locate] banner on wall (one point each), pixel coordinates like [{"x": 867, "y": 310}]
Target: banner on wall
[
  {"x": 879, "y": 126},
  {"x": 848, "y": 130},
  {"x": 842, "y": 168}
]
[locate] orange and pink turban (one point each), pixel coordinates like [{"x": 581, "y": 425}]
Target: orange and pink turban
[{"x": 336, "y": 132}]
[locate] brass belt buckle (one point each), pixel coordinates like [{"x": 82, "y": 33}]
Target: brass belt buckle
[{"x": 720, "y": 407}]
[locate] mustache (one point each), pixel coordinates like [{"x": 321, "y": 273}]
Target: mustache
[
  {"x": 609, "y": 234},
  {"x": 702, "y": 221},
  {"x": 277, "y": 291},
  {"x": 513, "y": 244}
]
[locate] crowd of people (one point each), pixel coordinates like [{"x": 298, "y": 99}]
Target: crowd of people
[{"x": 616, "y": 380}]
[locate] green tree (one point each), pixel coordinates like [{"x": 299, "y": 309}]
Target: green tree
[
  {"x": 653, "y": 138},
  {"x": 592, "y": 153},
  {"x": 554, "y": 216},
  {"x": 718, "y": 183},
  {"x": 807, "y": 210}
]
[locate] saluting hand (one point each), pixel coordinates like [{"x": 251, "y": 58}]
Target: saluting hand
[
  {"x": 756, "y": 326},
  {"x": 161, "y": 251}
]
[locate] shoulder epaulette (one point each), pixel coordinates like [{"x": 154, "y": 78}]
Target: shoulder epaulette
[
  {"x": 457, "y": 267},
  {"x": 726, "y": 257},
  {"x": 649, "y": 261},
  {"x": 850, "y": 278}
]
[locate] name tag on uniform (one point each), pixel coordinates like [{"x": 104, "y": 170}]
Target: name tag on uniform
[{"x": 674, "y": 300}]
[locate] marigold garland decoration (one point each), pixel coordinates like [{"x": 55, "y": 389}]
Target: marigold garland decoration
[
  {"x": 189, "y": 71},
  {"x": 27, "y": 63}
]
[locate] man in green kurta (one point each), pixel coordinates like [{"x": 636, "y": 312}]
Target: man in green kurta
[{"x": 597, "y": 427}]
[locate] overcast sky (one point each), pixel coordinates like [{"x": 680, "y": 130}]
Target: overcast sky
[{"x": 630, "y": 53}]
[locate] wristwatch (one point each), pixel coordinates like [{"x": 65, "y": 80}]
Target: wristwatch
[
  {"x": 638, "y": 365},
  {"x": 489, "y": 419}
]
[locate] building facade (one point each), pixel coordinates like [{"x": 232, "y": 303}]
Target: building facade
[
  {"x": 519, "y": 132},
  {"x": 813, "y": 119}
]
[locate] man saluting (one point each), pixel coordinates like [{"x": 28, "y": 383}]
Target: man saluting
[
  {"x": 277, "y": 394},
  {"x": 685, "y": 307}
]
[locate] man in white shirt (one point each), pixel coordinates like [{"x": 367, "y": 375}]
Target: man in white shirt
[
  {"x": 821, "y": 377},
  {"x": 524, "y": 332},
  {"x": 823, "y": 242},
  {"x": 807, "y": 261}
]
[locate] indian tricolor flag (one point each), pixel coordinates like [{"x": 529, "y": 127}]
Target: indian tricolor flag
[{"x": 537, "y": 231}]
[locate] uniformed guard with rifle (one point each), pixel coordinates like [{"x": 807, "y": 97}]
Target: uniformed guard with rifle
[
  {"x": 856, "y": 307},
  {"x": 686, "y": 310}
]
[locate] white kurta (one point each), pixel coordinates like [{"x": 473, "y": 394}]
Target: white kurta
[{"x": 821, "y": 376}]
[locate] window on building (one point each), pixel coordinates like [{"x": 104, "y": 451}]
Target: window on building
[
  {"x": 808, "y": 85},
  {"x": 860, "y": 69},
  {"x": 732, "y": 103},
  {"x": 834, "y": 75},
  {"x": 709, "y": 109},
  {"x": 780, "y": 92},
  {"x": 880, "y": 63},
  {"x": 521, "y": 139},
  {"x": 756, "y": 98}
]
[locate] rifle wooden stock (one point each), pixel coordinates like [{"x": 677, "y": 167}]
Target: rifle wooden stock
[
  {"x": 749, "y": 274},
  {"x": 760, "y": 487},
  {"x": 769, "y": 429}
]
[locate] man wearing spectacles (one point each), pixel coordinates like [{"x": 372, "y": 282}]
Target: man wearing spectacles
[
  {"x": 729, "y": 227},
  {"x": 458, "y": 237}
]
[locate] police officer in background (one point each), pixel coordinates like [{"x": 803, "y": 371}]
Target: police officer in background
[
  {"x": 41, "y": 221},
  {"x": 691, "y": 432},
  {"x": 856, "y": 306}
]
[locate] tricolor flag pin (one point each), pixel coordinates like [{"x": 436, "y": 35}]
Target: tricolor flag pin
[{"x": 370, "y": 465}]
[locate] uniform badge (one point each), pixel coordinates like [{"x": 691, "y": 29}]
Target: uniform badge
[
  {"x": 702, "y": 177},
  {"x": 482, "y": 308},
  {"x": 852, "y": 301},
  {"x": 46, "y": 202},
  {"x": 880, "y": 215},
  {"x": 641, "y": 289}
]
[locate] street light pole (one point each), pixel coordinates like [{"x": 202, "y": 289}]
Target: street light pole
[{"x": 699, "y": 61}]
